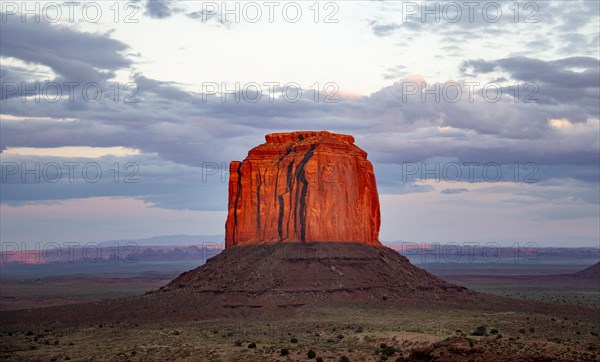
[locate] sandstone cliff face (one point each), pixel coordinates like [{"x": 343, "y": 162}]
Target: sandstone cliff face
[{"x": 303, "y": 187}]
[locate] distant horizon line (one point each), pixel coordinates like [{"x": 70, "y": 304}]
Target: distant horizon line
[{"x": 156, "y": 242}]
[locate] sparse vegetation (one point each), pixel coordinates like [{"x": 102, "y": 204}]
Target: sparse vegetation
[
  {"x": 386, "y": 350},
  {"x": 384, "y": 342},
  {"x": 479, "y": 331}
]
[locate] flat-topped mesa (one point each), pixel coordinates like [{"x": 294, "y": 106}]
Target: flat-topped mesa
[{"x": 303, "y": 186}]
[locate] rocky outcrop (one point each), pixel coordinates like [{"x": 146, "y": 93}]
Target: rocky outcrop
[{"x": 303, "y": 187}]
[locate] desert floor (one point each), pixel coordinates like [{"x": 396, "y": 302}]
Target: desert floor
[{"x": 360, "y": 333}]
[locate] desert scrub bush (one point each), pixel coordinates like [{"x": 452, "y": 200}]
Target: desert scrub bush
[
  {"x": 238, "y": 343},
  {"x": 294, "y": 340},
  {"x": 386, "y": 350},
  {"x": 494, "y": 331},
  {"x": 252, "y": 345},
  {"x": 479, "y": 331},
  {"x": 340, "y": 336},
  {"x": 344, "y": 359},
  {"x": 522, "y": 331},
  {"x": 285, "y": 352},
  {"x": 319, "y": 359},
  {"x": 311, "y": 354}
]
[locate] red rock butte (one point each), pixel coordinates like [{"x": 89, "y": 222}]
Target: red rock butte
[{"x": 303, "y": 186}]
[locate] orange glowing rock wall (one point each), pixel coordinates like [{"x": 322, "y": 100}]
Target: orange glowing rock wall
[{"x": 303, "y": 187}]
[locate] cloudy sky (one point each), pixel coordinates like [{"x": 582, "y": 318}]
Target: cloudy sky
[{"x": 119, "y": 120}]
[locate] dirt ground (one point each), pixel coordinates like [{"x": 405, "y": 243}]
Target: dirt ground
[{"x": 359, "y": 333}]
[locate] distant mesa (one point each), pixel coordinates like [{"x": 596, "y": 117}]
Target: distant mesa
[
  {"x": 303, "y": 186},
  {"x": 592, "y": 272}
]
